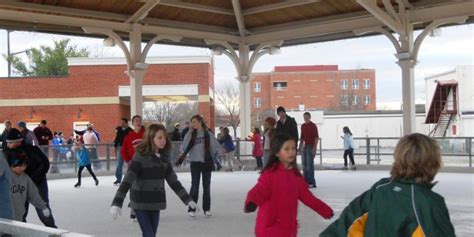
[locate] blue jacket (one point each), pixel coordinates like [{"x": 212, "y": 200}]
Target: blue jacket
[
  {"x": 228, "y": 143},
  {"x": 82, "y": 157},
  {"x": 348, "y": 141},
  {"x": 6, "y": 210}
]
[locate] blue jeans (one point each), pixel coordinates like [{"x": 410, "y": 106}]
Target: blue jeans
[
  {"x": 308, "y": 164},
  {"x": 119, "y": 167},
  {"x": 43, "y": 191},
  {"x": 148, "y": 221},
  {"x": 198, "y": 168}
]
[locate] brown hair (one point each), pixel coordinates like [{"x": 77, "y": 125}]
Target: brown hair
[
  {"x": 417, "y": 157},
  {"x": 147, "y": 146}
]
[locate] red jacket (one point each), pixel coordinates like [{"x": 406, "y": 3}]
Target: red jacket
[
  {"x": 257, "y": 145},
  {"x": 130, "y": 141},
  {"x": 276, "y": 194}
]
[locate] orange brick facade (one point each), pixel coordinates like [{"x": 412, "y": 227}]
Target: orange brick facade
[
  {"x": 317, "y": 87},
  {"x": 96, "y": 81}
]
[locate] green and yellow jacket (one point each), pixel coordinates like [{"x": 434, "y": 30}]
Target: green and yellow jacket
[{"x": 394, "y": 208}]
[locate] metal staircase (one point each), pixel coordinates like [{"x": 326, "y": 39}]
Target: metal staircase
[{"x": 443, "y": 107}]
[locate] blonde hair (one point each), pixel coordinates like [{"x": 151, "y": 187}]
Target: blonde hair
[{"x": 417, "y": 157}]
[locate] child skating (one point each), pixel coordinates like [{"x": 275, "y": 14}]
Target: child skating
[
  {"x": 145, "y": 178},
  {"x": 23, "y": 188},
  {"x": 83, "y": 161},
  {"x": 403, "y": 204},
  {"x": 278, "y": 190}
]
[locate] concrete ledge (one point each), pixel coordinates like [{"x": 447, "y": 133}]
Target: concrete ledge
[{"x": 18, "y": 228}]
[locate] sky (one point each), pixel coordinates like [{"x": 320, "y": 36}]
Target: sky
[{"x": 439, "y": 54}]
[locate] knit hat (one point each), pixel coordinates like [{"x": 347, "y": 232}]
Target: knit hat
[
  {"x": 21, "y": 124},
  {"x": 14, "y": 136}
]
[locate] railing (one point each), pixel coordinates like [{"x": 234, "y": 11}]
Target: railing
[{"x": 456, "y": 151}]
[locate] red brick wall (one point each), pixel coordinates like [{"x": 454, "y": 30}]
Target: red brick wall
[
  {"x": 315, "y": 89},
  {"x": 95, "y": 81}
]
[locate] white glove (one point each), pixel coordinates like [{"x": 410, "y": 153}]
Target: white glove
[
  {"x": 46, "y": 212},
  {"x": 193, "y": 205},
  {"x": 115, "y": 212}
]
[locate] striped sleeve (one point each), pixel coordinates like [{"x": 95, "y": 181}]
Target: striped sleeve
[{"x": 128, "y": 180}]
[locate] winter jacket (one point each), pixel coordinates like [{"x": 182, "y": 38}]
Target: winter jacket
[
  {"x": 130, "y": 141},
  {"x": 40, "y": 132},
  {"x": 197, "y": 152},
  {"x": 6, "y": 208},
  {"x": 348, "y": 141},
  {"x": 276, "y": 194},
  {"x": 120, "y": 134},
  {"x": 257, "y": 145},
  {"x": 23, "y": 189},
  {"x": 394, "y": 208},
  {"x": 145, "y": 179},
  {"x": 228, "y": 143},
  {"x": 38, "y": 163},
  {"x": 29, "y": 137},
  {"x": 82, "y": 156},
  {"x": 289, "y": 127}
]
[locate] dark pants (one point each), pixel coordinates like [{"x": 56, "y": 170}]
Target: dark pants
[
  {"x": 308, "y": 164},
  {"x": 43, "y": 191},
  {"x": 79, "y": 173},
  {"x": 198, "y": 168},
  {"x": 119, "y": 168},
  {"x": 148, "y": 221},
  {"x": 259, "y": 162},
  {"x": 349, "y": 152}
]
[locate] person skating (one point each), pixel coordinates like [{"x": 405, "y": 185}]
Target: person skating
[
  {"x": 278, "y": 190},
  {"x": 402, "y": 204},
  {"x": 145, "y": 178},
  {"x": 202, "y": 147},
  {"x": 83, "y": 161}
]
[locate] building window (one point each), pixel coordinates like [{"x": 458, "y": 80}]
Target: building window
[
  {"x": 280, "y": 86},
  {"x": 366, "y": 99},
  {"x": 366, "y": 84},
  {"x": 257, "y": 118},
  {"x": 257, "y": 87},
  {"x": 344, "y": 84},
  {"x": 258, "y": 102},
  {"x": 355, "y": 84},
  {"x": 355, "y": 100},
  {"x": 344, "y": 100}
]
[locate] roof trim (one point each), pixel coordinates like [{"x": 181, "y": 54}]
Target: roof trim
[{"x": 85, "y": 61}]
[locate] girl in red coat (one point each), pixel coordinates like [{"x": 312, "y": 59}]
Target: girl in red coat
[
  {"x": 257, "y": 151},
  {"x": 278, "y": 190}
]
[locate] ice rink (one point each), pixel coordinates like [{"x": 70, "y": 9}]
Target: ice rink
[{"x": 86, "y": 209}]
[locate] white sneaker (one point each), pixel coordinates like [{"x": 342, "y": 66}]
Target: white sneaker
[
  {"x": 192, "y": 214},
  {"x": 207, "y": 213}
]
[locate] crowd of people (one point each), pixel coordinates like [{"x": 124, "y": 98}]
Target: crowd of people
[{"x": 400, "y": 205}]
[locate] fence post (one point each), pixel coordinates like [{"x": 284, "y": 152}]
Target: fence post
[
  {"x": 107, "y": 156},
  {"x": 469, "y": 150},
  {"x": 237, "y": 145},
  {"x": 367, "y": 142},
  {"x": 321, "y": 151}
]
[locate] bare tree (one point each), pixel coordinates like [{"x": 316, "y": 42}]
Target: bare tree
[
  {"x": 228, "y": 106},
  {"x": 169, "y": 113}
]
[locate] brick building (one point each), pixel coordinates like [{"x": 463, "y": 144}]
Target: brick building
[
  {"x": 318, "y": 87},
  {"x": 97, "y": 91}
]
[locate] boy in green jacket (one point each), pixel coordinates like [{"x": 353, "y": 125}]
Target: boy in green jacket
[{"x": 402, "y": 205}]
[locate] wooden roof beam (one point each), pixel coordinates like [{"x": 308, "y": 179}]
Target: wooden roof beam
[
  {"x": 239, "y": 17},
  {"x": 197, "y": 7},
  {"x": 143, "y": 11},
  {"x": 276, "y": 6}
]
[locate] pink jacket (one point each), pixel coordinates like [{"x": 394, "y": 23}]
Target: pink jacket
[
  {"x": 257, "y": 145},
  {"x": 276, "y": 194}
]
